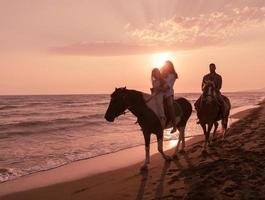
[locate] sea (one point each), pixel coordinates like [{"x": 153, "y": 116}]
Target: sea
[{"x": 43, "y": 132}]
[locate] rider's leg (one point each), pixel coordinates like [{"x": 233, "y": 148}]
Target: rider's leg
[
  {"x": 197, "y": 106},
  {"x": 171, "y": 108},
  {"x": 160, "y": 108},
  {"x": 222, "y": 104}
]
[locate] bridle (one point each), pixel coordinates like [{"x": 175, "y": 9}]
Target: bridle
[
  {"x": 152, "y": 96},
  {"x": 210, "y": 91},
  {"x": 126, "y": 110}
]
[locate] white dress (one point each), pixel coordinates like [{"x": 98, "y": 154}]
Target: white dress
[{"x": 158, "y": 98}]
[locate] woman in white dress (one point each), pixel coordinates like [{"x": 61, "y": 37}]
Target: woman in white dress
[
  {"x": 158, "y": 93},
  {"x": 170, "y": 76}
]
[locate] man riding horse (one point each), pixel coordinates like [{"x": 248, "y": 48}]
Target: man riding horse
[
  {"x": 212, "y": 106},
  {"x": 216, "y": 79}
]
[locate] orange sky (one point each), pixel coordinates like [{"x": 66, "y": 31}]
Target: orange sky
[{"x": 69, "y": 47}]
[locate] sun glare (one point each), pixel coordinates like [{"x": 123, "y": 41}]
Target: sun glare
[{"x": 159, "y": 59}]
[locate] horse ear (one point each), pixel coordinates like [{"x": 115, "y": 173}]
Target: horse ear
[
  {"x": 125, "y": 88},
  {"x": 116, "y": 89}
]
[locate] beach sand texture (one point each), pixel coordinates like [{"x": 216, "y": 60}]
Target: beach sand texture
[{"x": 232, "y": 169}]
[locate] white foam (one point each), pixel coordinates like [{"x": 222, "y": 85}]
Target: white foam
[
  {"x": 243, "y": 108},
  {"x": 80, "y": 169}
]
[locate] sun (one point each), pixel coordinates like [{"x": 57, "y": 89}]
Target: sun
[{"x": 159, "y": 59}]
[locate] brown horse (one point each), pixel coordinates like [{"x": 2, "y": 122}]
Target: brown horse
[
  {"x": 209, "y": 112},
  {"x": 123, "y": 99}
]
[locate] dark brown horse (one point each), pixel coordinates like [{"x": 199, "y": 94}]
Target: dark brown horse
[
  {"x": 123, "y": 99},
  {"x": 209, "y": 112}
]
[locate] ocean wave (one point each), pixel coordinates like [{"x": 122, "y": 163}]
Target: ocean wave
[
  {"x": 53, "y": 104},
  {"x": 102, "y": 103},
  {"x": 84, "y": 104},
  {"x": 8, "y": 107},
  {"x": 48, "y": 163},
  {"x": 43, "y": 113},
  {"x": 22, "y": 106},
  {"x": 86, "y": 119}
]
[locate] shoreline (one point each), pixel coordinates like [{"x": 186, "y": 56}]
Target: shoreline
[
  {"x": 86, "y": 168},
  {"x": 81, "y": 170},
  {"x": 89, "y": 167},
  {"x": 15, "y": 167},
  {"x": 173, "y": 140}
]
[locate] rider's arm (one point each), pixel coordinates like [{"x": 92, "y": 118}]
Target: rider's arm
[
  {"x": 164, "y": 87},
  {"x": 203, "y": 81},
  {"x": 219, "y": 85},
  {"x": 170, "y": 79}
]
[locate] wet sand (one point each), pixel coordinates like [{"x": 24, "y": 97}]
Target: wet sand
[{"x": 233, "y": 168}]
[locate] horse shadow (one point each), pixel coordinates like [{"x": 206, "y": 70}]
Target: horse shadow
[
  {"x": 141, "y": 190},
  {"x": 159, "y": 190},
  {"x": 171, "y": 172},
  {"x": 160, "y": 187}
]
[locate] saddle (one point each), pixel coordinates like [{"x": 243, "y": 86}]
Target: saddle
[
  {"x": 224, "y": 106},
  {"x": 158, "y": 105}
]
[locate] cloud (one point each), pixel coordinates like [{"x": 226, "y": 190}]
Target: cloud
[
  {"x": 203, "y": 30},
  {"x": 106, "y": 48},
  {"x": 175, "y": 33}
]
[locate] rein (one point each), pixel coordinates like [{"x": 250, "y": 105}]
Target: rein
[
  {"x": 146, "y": 101},
  {"x": 127, "y": 111},
  {"x": 152, "y": 96}
]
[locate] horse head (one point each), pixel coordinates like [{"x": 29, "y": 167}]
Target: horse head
[
  {"x": 117, "y": 105},
  {"x": 209, "y": 92}
]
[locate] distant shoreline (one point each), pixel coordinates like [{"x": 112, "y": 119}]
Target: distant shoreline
[{"x": 198, "y": 92}]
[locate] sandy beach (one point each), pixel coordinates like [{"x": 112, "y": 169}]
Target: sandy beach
[
  {"x": 95, "y": 97},
  {"x": 232, "y": 169}
]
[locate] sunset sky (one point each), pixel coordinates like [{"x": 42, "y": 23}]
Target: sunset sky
[{"x": 85, "y": 46}]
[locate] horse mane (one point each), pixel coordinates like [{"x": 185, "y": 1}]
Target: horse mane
[
  {"x": 209, "y": 83},
  {"x": 136, "y": 97}
]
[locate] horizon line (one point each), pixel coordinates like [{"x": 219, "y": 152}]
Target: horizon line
[{"x": 70, "y": 94}]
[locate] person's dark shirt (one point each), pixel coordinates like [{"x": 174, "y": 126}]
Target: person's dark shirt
[{"x": 216, "y": 78}]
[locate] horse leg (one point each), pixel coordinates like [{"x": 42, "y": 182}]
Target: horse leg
[
  {"x": 215, "y": 129},
  {"x": 182, "y": 137},
  {"x": 160, "y": 146},
  {"x": 224, "y": 125},
  {"x": 177, "y": 147},
  {"x": 181, "y": 140},
  {"x": 147, "y": 151},
  {"x": 210, "y": 126},
  {"x": 205, "y": 135}
]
